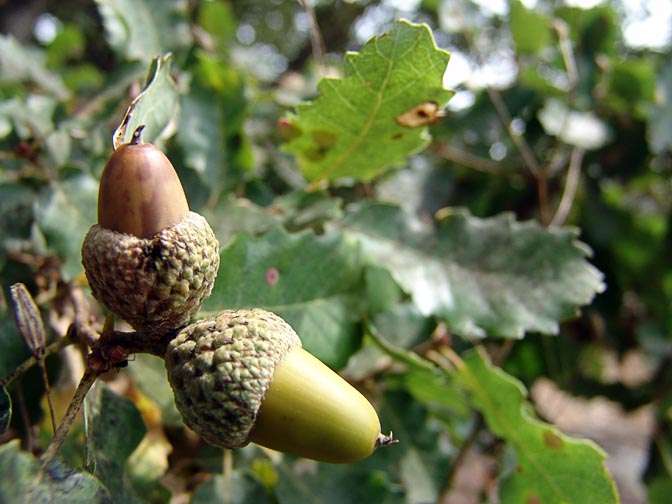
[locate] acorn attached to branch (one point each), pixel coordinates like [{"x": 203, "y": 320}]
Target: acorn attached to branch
[
  {"x": 149, "y": 259},
  {"x": 243, "y": 376}
]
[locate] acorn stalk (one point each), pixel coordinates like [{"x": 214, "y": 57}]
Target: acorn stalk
[
  {"x": 243, "y": 377},
  {"x": 149, "y": 260}
]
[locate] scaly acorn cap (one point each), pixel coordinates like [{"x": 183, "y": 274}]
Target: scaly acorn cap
[
  {"x": 149, "y": 259},
  {"x": 243, "y": 377}
]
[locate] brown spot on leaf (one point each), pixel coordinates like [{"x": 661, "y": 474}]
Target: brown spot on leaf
[
  {"x": 314, "y": 155},
  {"x": 420, "y": 115},
  {"x": 272, "y": 276},
  {"x": 287, "y": 130},
  {"x": 397, "y": 136},
  {"x": 324, "y": 139},
  {"x": 552, "y": 440},
  {"x": 532, "y": 499}
]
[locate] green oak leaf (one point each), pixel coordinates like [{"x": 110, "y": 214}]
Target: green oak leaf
[
  {"x": 311, "y": 281},
  {"x": 114, "y": 428},
  {"x": 64, "y": 212},
  {"x": 20, "y": 63},
  {"x": 377, "y": 113},
  {"x": 551, "y": 467},
  {"x": 141, "y": 29},
  {"x": 22, "y": 481},
  {"x": 484, "y": 277},
  {"x": 153, "y": 107}
]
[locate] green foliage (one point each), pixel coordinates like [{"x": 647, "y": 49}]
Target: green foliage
[
  {"x": 139, "y": 30},
  {"x": 530, "y": 29},
  {"x": 114, "y": 428},
  {"x": 356, "y": 128},
  {"x": 153, "y": 107},
  {"x": 310, "y": 281},
  {"x": 411, "y": 234},
  {"x": 550, "y": 467},
  {"x": 22, "y": 477},
  {"x": 493, "y": 277}
]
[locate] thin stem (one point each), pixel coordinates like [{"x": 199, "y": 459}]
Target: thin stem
[
  {"x": 471, "y": 438},
  {"x": 227, "y": 476},
  {"x": 55, "y": 347},
  {"x": 519, "y": 141},
  {"x": 85, "y": 384},
  {"x": 466, "y": 158},
  {"x": 571, "y": 184},
  {"x": 316, "y": 41},
  {"x": 47, "y": 389},
  {"x": 565, "y": 45},
  {"x": 499, "y": 356},
  {"x": 523, "y": 147}
]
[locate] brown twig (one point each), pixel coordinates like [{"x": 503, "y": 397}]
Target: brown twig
[
  {"x": 565, "y": 44},
  {"x": 571, "y": 184},
  {"x": 519, "y": 141},
  {"x": 76, "y": 403},
  {"x": 316, "y": 40},
  {"x": 466, "y": 158}
]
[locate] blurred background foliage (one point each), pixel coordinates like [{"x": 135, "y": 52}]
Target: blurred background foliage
[{"x": 561, "y": 114}]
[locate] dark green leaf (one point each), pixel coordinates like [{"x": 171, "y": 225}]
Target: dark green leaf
[
  {"x": 64, "y": 212},
  {"x": 16, "y": 216},
  {"x": 233, "y": 216},
  {"x": 239, "y": 488},
  {"x": 367, "y": 121},
  {"x": 22, "y": 481},
  {"x": 142, "y": 29},
  {"x": 436, "y": 390},
  {"x": 403, "y": 325},
  {"x": 21, "y": 63},
  {"x": 5, "y": 410},
  {"x": 13, "y": 350},
  {"x": 631, "y": 85},
  {"x": 153, "y": 107},
  {"x": 550, "y": 466},
  {"x": 30, "y": 117},
  {"x": 331, "y": 484},
  {"x": 219, "y": 20},
  {"x": 382, "y": 292},
  {"x": 531, "y": 30},
  {"x": 114, "y": 428},
  {"x": 300, "y": 209},
  {"x": 201, "y": 135},
  {"x": 311, "y": 281},
  {"x": 494, "y": 276},
  {"x": 660, "y": 491}
]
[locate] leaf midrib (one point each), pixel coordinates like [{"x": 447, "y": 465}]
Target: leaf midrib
[{"x": 357, "y": 141}]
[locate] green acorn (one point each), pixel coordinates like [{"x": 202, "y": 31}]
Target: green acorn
[
  {"x": 243, "y": 376},
  {"x": 149, "y": 259}
]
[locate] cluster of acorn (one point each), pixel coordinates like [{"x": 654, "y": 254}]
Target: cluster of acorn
[{"x": 239, "y": 377}]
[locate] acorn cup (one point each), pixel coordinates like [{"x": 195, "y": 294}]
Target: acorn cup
[
  {"x": 149, "y": 259},
  {"x": 242, "y": 376}
]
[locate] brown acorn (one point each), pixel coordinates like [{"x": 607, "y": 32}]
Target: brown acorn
[{"x": 149, "y": 259}]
